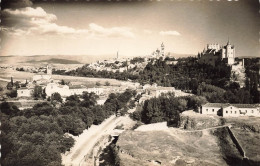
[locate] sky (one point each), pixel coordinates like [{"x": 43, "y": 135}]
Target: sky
[{"x": 130, "y": 28}]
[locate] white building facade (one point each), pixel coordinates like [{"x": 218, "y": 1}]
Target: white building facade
[{"x": 231, "y": 110}]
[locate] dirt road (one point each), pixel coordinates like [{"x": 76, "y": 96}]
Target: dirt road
[{"x": 85, "y": 142}]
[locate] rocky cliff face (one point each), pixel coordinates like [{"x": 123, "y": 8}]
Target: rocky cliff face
[{"x": 198, "y": 122}]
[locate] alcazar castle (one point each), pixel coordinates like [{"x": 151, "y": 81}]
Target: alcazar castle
[{"x": 215, "y": 52}]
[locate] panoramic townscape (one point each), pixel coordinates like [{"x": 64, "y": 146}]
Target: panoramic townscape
[{"x": 160, "y": 106}]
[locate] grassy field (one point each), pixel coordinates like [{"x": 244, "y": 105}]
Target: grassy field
[{"x": 172, "y": 147}]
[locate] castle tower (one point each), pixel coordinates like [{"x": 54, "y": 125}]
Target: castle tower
[
  {"x": 49, "y": 70},
  {"x": 230, "y": 53}
]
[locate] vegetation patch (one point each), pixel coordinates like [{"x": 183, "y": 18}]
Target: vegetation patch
[{"x": 171, "y": 147}]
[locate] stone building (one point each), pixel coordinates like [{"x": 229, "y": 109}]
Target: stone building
[
  {"x": 231, "y": 110},
  {"x": 24, "y": 92}
]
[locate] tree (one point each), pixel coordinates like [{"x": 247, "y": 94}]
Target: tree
[
  {"x": 9, "y": 109},
  {"x": 9, "y": 86},
  {"x": 12, "y": 93},
  {"x": 107, "y": 83},
  {"x": 12, "y": 81},
  {"x": 89, "y": 99},
  {"x": 98, "y": 83},
  {"x": 38, "y": 92},
  {"x": 137, "y": 115},
  {"x": 99, "y": 114},
  {"x": 87, "y": 116},
  {"x": 62, "y": 82},
  {"x": 74, "y": 98},
  {"x": 56, "y": 97},
  {"x": 17, "y": 85}
]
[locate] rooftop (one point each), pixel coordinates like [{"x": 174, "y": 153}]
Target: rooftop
[{"x": 224, "y": 105}]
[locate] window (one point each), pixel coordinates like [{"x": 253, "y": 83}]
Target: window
[
  {"x": 235, "y": 112},
  {"x": 206, "y": 109},
  {"x": 231, "y": 112},
  {"x": 21, "y": 91},
  {"x": 230, "y": 107},
  {"x": 226, "y": 111},
  {"x": 212, "y": 110},
  {"x": 252, "y": 111},
  {"x": 246, "y": 111}
]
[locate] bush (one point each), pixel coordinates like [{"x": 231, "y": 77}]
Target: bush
[
  {"x": 137, "y": 115},
  {"x": 12, "y": 93},
  {"x": 107, "y": 83}
]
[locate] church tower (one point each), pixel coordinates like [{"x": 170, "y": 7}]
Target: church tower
[
  {"x": 162, "y": 50},
  {"x": 49, "y": 70}
]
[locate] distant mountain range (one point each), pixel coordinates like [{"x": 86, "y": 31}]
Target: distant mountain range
[
  {"x": 46, "y": 59},
  {"x": 55, "y": 61}
]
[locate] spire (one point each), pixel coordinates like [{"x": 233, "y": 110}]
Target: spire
[{"x": 228, "y": 43}]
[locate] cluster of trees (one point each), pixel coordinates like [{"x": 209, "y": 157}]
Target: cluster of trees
[
  {"x": 252, "y": 78},
  {"x": 32, "y": 136},
  {"x": 37, "y": 136},
  {"x": 120, "y": 102},
  {"x": 167, "y": 109},
  {"x": 231, "y": 94},
  {"x": 137, "y": 60},
  {"x": 186, "y": 74}
]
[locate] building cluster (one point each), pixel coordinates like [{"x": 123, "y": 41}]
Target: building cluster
[
  {"x": 124, "y": 64},
  {"x": 149, "y": 91},
  {"x": 51, "y": 86},
  {"x": 230, "y": 110},
  {"x": 116, "y": 65}
]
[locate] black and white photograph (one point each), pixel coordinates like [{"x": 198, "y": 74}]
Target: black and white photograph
[{"x": 130, "y": 83}]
